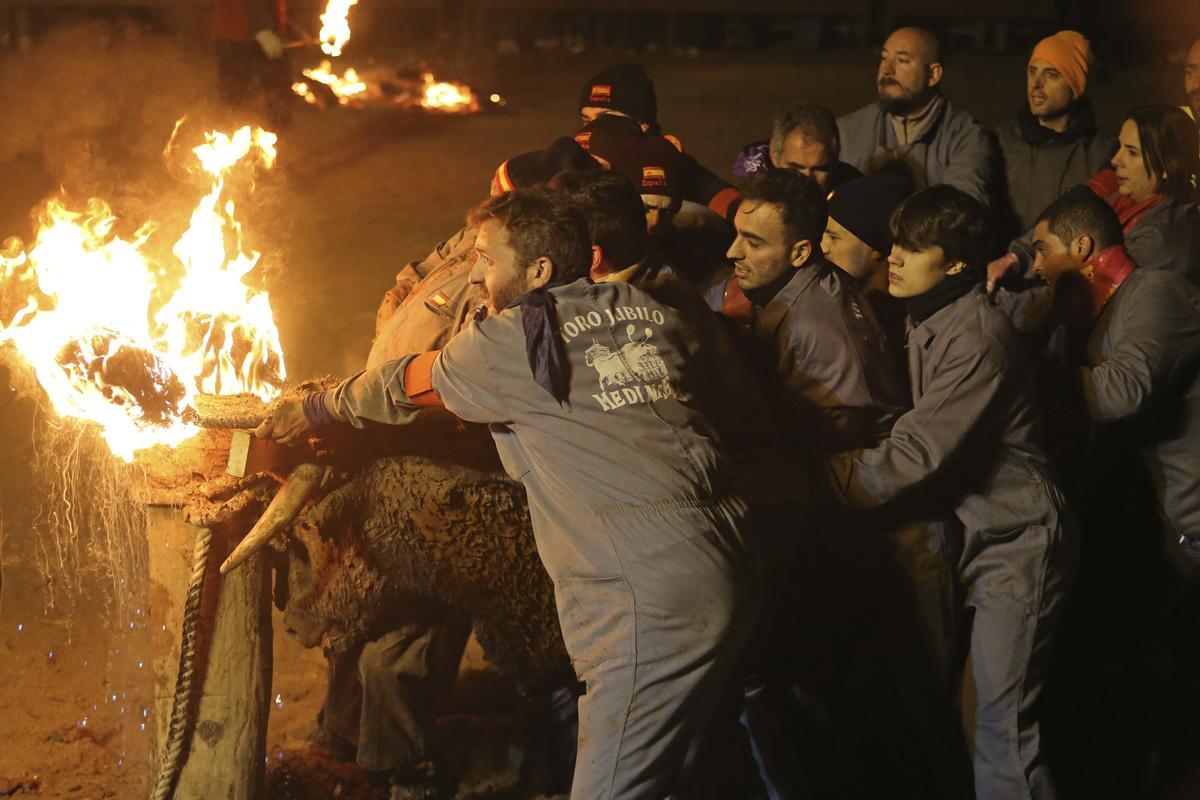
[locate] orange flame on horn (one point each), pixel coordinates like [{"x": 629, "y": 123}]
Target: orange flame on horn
[{"x": 103, "y": 344}]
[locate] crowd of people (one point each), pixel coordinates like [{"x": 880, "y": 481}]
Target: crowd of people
[{"x": 901, "y": 430}]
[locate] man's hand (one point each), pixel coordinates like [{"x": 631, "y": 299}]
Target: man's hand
[
  {"x": 997, "y": 269},
  {"x": 286, "y": 425},
  {"x": 271, "y": 44}
]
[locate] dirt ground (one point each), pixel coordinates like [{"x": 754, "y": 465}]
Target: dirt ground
[{"x": 357, "y": 194}]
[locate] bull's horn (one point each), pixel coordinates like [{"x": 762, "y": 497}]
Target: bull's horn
[{"x": 282, "y": 509}]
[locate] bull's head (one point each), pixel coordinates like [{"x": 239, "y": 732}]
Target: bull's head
[{"x": 333, "y": 593}]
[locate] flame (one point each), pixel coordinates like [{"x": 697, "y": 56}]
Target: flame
[
  {"x": 449, "y": 97},
  {"x": 345, "y": 86},
  {"x": 350, "y": 89},
  {"x": 101, "y": 341},
  {"x": 335, "y": 29}
]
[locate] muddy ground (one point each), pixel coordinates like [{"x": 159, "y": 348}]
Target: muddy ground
[{"x": 356, "y": 194}]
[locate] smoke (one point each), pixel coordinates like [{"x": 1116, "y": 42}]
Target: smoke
[{"x": 96, "y": 103}]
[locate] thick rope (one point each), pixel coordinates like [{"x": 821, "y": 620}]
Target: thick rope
[{"x": 178, "y": 732}]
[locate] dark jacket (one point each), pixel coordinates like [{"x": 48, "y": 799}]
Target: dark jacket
[
  {"x": 954, "y": 149},
  {"x": 239, "y": 20},
  {"x": 973, "y": 428},
  {"x": 831, "y": 359},
  {"x": 1143, "y": 356},
  {"x": 1040, "y": 165}
]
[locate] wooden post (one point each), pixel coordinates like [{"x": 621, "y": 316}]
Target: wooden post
[{"x": 226, "y": 753}]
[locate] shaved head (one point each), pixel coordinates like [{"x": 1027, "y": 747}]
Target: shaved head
[
  {"x": 1191, "y": 78},
  {"x": 919, "y": 42}
]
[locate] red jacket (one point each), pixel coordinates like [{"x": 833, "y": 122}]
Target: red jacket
[{"x": 239, "y": 20}]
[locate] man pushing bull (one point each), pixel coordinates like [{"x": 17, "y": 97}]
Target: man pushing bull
[{"x": 602, "y": 405}]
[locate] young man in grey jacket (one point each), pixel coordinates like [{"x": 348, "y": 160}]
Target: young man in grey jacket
[
  {"x": 601, "y": 401},
  {"x": 971, "y": 443},
  {"x": 912, "y": 119}
]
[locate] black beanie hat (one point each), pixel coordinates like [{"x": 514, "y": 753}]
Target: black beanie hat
[
  {"x": 625, "y": 88},
  {"x": 607, "y": 134},
  {"x": 864, "y": 206},
  {"x": 539, "y": 166},
  {"x": 653, "y": 164}
]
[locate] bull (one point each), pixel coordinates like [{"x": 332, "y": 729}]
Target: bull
[{"x": 362, "y": 534}]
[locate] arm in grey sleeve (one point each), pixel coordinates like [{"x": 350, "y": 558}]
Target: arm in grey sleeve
[
  {"x": 972, "y": 162},
  {"x": 1151, "y": 246},
  {"x": 834, "y": 412},
  {"x": 1029, "y": 309},
  {"x": 948, "y": 415},
  {"x": 1143, "y": 359},
  {"x": 376, "y": 395},
  {"x": 464, "y": 374},
  {"x": 461, "y": 376}
]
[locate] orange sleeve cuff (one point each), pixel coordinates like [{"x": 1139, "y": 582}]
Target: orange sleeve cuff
[
  {"x": 724, "y": 200},
  {"x": 418, "y": 380}
]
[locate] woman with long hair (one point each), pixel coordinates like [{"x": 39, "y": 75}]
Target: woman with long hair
[{"x": 1152, "y": 187}]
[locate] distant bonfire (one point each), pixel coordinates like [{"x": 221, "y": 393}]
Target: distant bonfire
[
  {"x": 420, "y": 89},
  {"x": 380, "y": 87}
]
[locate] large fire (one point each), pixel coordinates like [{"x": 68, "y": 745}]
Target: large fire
[{"x": 114, "y": 339}]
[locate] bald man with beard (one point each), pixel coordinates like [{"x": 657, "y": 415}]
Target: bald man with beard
[{"x": 913, "y": 120}]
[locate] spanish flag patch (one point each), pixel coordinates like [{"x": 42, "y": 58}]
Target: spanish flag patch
[
  {"x": 601, "y": 93},
  {"x": 439, "y": 303},
  {"x": 653, "y": 176}
]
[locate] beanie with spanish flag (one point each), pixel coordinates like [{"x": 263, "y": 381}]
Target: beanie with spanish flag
[
  {"x": 625, "y": 88},
  {"x": 607, "y": 134},
  {"x": 539, "y": 166},
  {"x": 653, "y": 164}
]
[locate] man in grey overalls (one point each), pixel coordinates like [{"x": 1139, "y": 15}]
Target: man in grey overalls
[
  {"x": 599, "y": 402},
  {"x": 971, "y": 442}
]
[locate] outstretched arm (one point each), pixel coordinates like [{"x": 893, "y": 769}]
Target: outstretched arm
[{"x": 944, "y": 421}]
